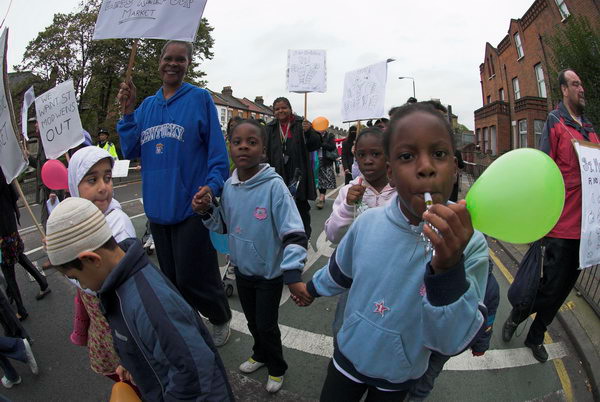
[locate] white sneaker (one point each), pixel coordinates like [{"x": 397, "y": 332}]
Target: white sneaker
[
  {"x": 8, "y": 383},
  {"x": 221, "y": 334},
  {"x": 30, "y": 358},
  {"x": 274, "y": 384},
  {"x": 250, "y": 366}
]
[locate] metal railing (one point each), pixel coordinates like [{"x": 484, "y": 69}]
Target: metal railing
[{"x": 588, "y": 284}]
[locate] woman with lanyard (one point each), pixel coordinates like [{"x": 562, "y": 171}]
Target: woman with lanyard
[
  {"x": 289, "y": 141},
  {"x": 178, "y": 136}
]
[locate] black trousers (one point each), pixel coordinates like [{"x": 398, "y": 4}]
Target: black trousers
[
  {"x": 11, "y": 281},
  {"x": 347, "y": 178},
  {"x": 187, "y": 257},
  {"x": 304, "y": 209},
  {"x": 11, "y": 325},
  {"x": 560, "y": 272},
  {"x": 339, "y": 388},
  {"x": 260, "y": 301}
]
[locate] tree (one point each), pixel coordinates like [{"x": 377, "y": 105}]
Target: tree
[
  {"x": 65, "y": 50},
  {"x": 576, "y": 45}
]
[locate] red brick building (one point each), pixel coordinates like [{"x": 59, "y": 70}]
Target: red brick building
[{"x": 515, "y": 86}]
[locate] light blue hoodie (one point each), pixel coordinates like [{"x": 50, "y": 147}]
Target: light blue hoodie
[
  {"x": 398, "y": 310},
  {"x": 266, "y": 234}
]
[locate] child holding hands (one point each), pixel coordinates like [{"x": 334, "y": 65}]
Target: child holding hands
[
  {"x": 404, "y": 299},
  {"x": 267, "y": 243}
]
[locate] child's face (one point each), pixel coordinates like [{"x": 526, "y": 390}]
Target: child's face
[
  {"x": 371, "y": 158},
  {"x": 97, "y": 185},
  {"x": 92, "y": 275},
  {"x": 246, "y": 146},
  {"x": 421, "y": 159}
]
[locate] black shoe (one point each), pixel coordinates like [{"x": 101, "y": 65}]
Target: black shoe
[
  {"x": 539, "y": 352},
  {"x": 508, "y": 329}
]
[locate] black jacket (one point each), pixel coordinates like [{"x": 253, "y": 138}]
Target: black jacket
[
  {"x": 328, "y": 144},
  {"x": 297, "y": 149},
  {"x": 9, "y": 212},
  {"x": 347, "y": 156}
]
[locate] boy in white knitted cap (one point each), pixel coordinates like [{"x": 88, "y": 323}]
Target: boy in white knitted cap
[{"x": 159, "y": 338}]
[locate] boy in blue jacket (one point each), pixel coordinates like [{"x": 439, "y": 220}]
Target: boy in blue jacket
[
  {"x": 267, "y": 243},
  {"x": 161, "y": 341},
  {"x": 404, "y": 301}
]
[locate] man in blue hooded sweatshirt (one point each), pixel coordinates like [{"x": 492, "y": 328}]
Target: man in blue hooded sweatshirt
[{"x": 178, "y": 136}]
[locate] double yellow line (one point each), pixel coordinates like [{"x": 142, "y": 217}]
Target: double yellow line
[{"x": 561, "y": 371}]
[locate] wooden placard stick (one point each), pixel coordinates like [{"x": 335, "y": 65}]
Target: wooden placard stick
[
  {"x": 305, "y": 105},
  {"x": 130, "y": 67},
  {"x": 22, "y": 195}
]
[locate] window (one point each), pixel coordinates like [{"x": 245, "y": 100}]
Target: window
[
  {"x": 489, "y": 99},
  {"x": 253, "y": 115},
  {"x": 241, "y": 114},
  {"x": 519, "y": 45},
  {"x": 538, "y": 127},
  {"x": 541, "y": 84},
  {"x": 523, "y": 133},
  {"x": 223, "y": 112},
  {"x": 493, "y": 140},
  {"x": 484, "y": 143},
  {"x": 562, "y": 7},
  {"x": 516, "y": 88},
  {"x": 501, "y": 94}
]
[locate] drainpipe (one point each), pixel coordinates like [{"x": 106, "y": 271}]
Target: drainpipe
[{"x": 508, "y": 94}]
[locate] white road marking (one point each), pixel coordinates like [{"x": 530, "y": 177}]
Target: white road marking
[{"x": 322, "y": 345}]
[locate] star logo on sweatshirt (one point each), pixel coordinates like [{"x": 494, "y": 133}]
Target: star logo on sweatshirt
[{"x": 380, "y": 308}]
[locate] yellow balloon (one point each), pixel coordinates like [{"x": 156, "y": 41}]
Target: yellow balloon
[
  {"x": 122, "y": 392},
  {"x": 320, "y": 123}
]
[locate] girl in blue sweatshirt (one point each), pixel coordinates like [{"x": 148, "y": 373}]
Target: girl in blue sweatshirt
[
  {"x": 405, "y": 301},
  {"x": 267, "y": 243}
]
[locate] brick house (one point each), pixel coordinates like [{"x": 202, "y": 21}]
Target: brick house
[
  {"x": 515, "y": 87},
  {"x": 229, "y": 106}
]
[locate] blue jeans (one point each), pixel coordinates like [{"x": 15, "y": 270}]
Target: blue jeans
[
  {"x": 13, "y": 348},
  {"x": 425, "y": 384}
]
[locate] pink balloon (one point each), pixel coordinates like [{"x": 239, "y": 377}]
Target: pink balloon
[{"x": 55, "y": 175}]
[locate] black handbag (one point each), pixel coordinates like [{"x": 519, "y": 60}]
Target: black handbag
[
  {"x": 331, "y": 155},
  {"x": 523, "y": 290}
]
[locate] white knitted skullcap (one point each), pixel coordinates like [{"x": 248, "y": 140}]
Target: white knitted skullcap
[{"x": 74, "y": 226}]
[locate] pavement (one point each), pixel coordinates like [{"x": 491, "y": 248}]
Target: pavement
[{"x": 507, "y": 372}]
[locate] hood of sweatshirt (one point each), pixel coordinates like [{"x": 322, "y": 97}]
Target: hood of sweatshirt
[{"x": 265, "y": 173}]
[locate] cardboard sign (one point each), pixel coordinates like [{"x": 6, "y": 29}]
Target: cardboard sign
[
  {"x": 589, "y": 164},
  {"x": 307, "y": 71},
  {"x": 12, "y": 160},
  {"x": 121, "y": 168},
  {"x": 364, "y": 93},
  {"x": 151, "y": 19},
  {"x": 58, "y": 120}
]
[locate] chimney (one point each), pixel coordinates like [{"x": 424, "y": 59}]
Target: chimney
[
  {"x": 259, "y": 100},
  {"x": 227, "y": 91},
  {"x": 450, "y": 115}
]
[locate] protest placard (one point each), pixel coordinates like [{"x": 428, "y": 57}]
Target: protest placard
[
  {"x": 151, "y": 19},
  {"x": 589, "y": 165},
  {"x": 121, "y": 168},
  {"x": 12, "y": 160},
  {"x": 28, "y": 100},
  {"x": 307, "y": 71},
  {"x": 364, "y": 93},
  {"x": 58, "y": 120}
]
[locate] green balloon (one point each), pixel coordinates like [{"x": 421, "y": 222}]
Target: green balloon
[{"x": 518, "y": 198}]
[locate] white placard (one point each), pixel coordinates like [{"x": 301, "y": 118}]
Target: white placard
[
  {"x": 58, "y": 120},
  {"x": 364, "y": 93},
  {"x": 589, "y": 164},
  {"x": 28, "y": 100},
  {"x": 151, "y": 19},
  {"x": 12, "y": 160},
  {"x": 121, "y": 168},
  {"x": 307, "y": 71}
]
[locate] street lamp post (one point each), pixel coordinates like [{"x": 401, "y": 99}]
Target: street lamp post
[{"x": 413, "y": 80}]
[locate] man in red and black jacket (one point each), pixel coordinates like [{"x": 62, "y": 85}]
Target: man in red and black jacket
[{"x": 561, "y": 259}]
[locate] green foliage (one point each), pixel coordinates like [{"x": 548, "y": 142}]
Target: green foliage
[
  {"x": 576, "y": 45},
  {"x": 65, "y": 50}
]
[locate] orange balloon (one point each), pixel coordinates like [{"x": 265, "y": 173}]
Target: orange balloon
[
  {"x": 320, "y": 123},
  {"x": 122, "y": 392}
]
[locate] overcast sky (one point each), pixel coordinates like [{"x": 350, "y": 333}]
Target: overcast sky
[{"x": 439, "y": 43}]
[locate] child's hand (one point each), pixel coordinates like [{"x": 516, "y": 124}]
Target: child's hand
[
  {"x": 202, "y": 200},
  {"x": 124, "y": 375},
  {"x": 300, "y": 294},
  {"x": 44, "y": 245},
  {"x": 453, "y": 223},
  {"x": 355, "y": 194}
]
